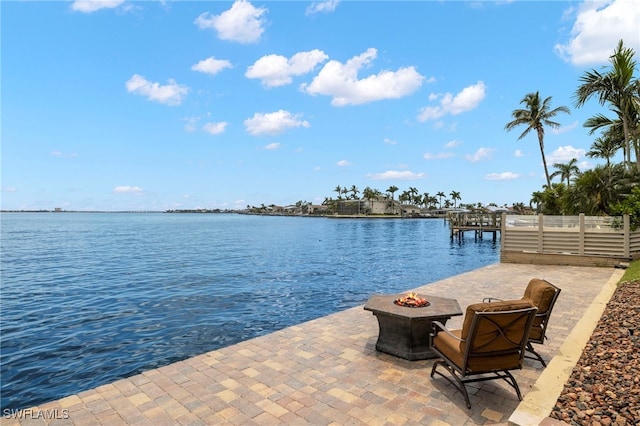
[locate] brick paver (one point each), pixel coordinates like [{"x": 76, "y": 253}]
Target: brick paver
[{"x": 327, "y": 371}]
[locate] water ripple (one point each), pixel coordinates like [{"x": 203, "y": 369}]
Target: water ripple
[{"x": 90, "y": 298}]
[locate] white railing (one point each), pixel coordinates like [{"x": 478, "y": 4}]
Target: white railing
[{"x": 578, "y": 235}]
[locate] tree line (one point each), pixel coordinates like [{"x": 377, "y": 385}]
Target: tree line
[{"x": 612, "y": 188}]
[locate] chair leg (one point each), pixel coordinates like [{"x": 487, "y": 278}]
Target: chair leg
[
  {"x": 536, "y": 355},
  {"x": 459, "y": 384},
  {"x": 508, "y": 377}
]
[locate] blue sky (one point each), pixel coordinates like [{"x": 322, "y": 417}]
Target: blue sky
[{"x": 155, "y": 105}]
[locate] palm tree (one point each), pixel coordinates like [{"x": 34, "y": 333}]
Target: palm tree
[
  {"x": 440, "y": 194},
  {"x": 565, "y": 171},
  {"x": 339, "y": 191},
  {"x": 392, "y": 189},
  {"x": 455, "y": 195},
  {"x": 621, "y": 91},
  {"x": 605, "y": 147},
  {"x": 595, "y": 190},
  {"x": 370, "y": 194},
  {"x": 354, "y": 191},
  {"x": 535, "y": 116}
]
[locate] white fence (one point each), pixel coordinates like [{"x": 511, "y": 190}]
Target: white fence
[{"x": 570, "y": 235}]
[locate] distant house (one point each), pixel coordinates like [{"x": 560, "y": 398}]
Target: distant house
[
  {"x": 318, "y": 209},
  {"x": 411, "y": 211}
]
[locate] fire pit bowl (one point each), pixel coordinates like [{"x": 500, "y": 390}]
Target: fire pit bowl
[{"x": 412, "y": 300}]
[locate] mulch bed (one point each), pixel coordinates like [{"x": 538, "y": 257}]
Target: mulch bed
[{"x": 604, "y": 387}]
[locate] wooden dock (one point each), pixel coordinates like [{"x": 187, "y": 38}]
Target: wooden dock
[{"x": 478, "y": 223}]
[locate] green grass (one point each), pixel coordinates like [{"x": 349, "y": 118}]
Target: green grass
[{"x": 632, "y": 273}]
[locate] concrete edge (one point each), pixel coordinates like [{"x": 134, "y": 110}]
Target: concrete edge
[{"x": 540, "y": 400}]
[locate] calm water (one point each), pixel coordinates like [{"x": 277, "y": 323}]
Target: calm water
[{"x": 88, "y": 298}]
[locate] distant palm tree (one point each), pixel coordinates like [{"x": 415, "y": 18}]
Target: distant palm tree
[
  {"x": 565, "y": 171},
  {"x": 440, "y": 194},
  {"x": 392, "y": 190},
  {"x": 425, "y": 199},
  {"x": 618, "y": 88},
  {"x": 370, "y": 194},
  {"x": 535, "y": 116},
  {"x": 455, "y": 196},
  {"x": 339, "y": 191},
  {"x": 354, "y": 191},
  {"x": 345, "y": 191}
]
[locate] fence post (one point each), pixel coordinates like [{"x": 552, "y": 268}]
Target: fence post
[
  {"x": 503, "y": 228},
  {"x": 581, "y": 234},
  {"x": 540, "y": 233},
  {"x": 626, "y": 220}
]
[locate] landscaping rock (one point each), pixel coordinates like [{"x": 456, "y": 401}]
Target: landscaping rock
[{"x": 604, "y": 387}]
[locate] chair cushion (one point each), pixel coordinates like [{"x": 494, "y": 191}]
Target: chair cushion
[
  {"x": 503, "y": 305},
  {"x": 453, "y": 350},
  {"x": 540, "y": 293}
]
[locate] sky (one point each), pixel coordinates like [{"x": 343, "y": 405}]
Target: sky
[{"x": 155, "y": 105}]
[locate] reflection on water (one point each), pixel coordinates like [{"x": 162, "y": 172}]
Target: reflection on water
[{"x": 88, "y": 298}]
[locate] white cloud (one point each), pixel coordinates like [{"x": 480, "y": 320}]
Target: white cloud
[
  {"x": 452, "y": 144},
  {"x": 170, "y": 94},
  {"x": 481, "y": 154},
  {"x": 322, "y": 6},
  {"x": 211, "y": 65},
  {"x": 9, "y": 189},
  {"x": 564, "y": 129},
  {"x": 518, "y": 153},
  {"x": 438, "y": 156},
  {"x": 340, "y": 81},
  {"x": 88, "y": 6},
  {"x": 215, "y": 128},
  {"x": 277, "y": 70},
  {"x": 390, "y": 141},
  {"x": 136, "y": 190},
  {"x": 397, "y": 175},
  {"x": 343, "y": 163},
  {"x": 272, "y": 146},
  {"x": 242, "y": 23},
  {"x": 502, "y": 176},
  {"x": 468, "y": 99},
  {"x": 273, "y": 123},
  {"x": 598, "y": 27},
  {"x": 564, "y": 154}
]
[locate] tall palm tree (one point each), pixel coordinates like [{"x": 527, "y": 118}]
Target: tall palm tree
[
  {"x": 565, "y": 171},
  {"x": 440, "y": 194},
  {"x": 455, "y": 195},
  {"x": 621, "y": 91},
  {"x": 535, "y": 116}
]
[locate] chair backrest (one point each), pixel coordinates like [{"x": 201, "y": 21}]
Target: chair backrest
[
  {"x": 495, "y": 335},
  {"x": 543, "y": 295}
]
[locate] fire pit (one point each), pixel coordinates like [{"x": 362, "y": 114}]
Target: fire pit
[
  {"x": 404, "y": 331},
  {"x": 412, "y": 300}
]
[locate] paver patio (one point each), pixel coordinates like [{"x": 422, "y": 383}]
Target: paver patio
[{"x": 327, "y": 371}]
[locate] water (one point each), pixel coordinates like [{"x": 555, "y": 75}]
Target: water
[{"x": 88, "y": 298}]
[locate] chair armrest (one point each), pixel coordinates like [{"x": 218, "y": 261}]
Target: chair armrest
[
  {"x": 491, "y": 299},
  {"x": 438, "y": 326}
]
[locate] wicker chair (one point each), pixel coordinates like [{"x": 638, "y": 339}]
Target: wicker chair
[
  {"x": 543, "y": 295},
  {"x": 491, "y": 343}
]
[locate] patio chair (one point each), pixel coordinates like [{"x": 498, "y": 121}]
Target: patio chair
[
  {"x": 543, "y": 295},
  {"x": 491, "y": 343}
]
